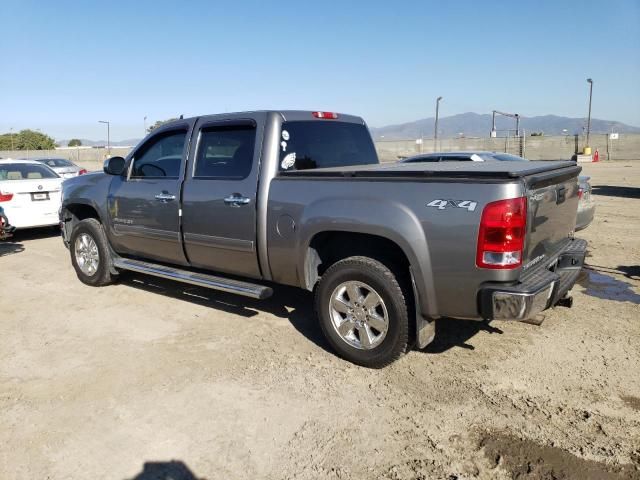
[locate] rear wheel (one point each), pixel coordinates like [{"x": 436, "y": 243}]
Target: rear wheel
[
  {"x": 362, "y": 311},
  {"x": 90, "y": 254}
]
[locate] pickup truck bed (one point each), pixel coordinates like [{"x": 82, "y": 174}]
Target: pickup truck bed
[{"x": 471, "y": 170}]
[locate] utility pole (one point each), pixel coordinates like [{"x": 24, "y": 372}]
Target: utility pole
[
  {"x": 145, "y": 125},
  {"x": 435, "y": 133},
  {"x": 108, "y": 135},
  {"x": 11, "y": 135},
  {"x": 590, "y": 81}
]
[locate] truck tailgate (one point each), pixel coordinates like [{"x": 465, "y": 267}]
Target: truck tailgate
[{"x": 552, "y": 208}]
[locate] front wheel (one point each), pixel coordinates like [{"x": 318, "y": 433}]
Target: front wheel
[
  {"x": 90, "y": 253},
  {"x": 363, "y": 312}
]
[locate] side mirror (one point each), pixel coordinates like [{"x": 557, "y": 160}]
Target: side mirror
[{"x": 114, "y": 166}]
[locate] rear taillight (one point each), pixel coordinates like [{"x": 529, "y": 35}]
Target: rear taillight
[
  {"x": 327, "y": 115},
  {"x": 82, "y": 171},
  {"x": 502, "y": 230},
  {"x": 5, "y": 197}
]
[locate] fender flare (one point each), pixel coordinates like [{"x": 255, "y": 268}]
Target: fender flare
[{"x": 382, "y": 218}]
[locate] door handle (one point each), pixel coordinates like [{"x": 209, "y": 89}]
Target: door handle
[
  {"x": 236, "y": 200},
  {"x": 165, "y": 197}
]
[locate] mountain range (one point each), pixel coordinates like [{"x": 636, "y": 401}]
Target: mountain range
[{"x": 479, "y": 125}]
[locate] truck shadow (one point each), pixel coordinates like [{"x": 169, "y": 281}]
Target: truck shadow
[
  {"x": 292, "y": 304},
  {"x": 296, "y": 306},
  {"x": 453, "y": 332}
]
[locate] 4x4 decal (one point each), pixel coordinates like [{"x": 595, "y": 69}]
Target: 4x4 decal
[{"x": 468, "y": 205}]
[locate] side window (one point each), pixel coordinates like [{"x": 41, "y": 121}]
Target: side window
[
  {"x": 225, "y": 152},
  {"x": 160, "y": 157}
]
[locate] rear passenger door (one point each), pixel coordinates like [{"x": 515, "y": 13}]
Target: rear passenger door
[
  {"x": 219, "y": 196},
  {"x": 144, "y": 203}
]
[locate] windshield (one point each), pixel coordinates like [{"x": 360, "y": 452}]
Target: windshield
[
  {"x": 56, "y": 162},
  {"x": 25, "y": 171},
  {"x": 322, "y": 144}
]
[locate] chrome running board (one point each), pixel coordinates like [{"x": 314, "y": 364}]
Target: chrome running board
[{"x": 238, "y": 287}]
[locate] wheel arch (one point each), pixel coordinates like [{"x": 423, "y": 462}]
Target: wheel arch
[
  {"x": 74, "y": 212},
  {"x": 325, "y": 247}
]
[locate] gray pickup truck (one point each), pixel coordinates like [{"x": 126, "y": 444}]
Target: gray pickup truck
[{"x": 239, "y": 202}]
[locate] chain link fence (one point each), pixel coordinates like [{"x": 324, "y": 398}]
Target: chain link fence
[{"x": 557, "y": 147}]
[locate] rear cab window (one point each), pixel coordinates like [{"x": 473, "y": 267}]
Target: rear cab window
[{"x": 325, "y": 143}]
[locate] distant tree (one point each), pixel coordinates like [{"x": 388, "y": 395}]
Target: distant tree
[
  {"x": 159, "y": 123},
  {"x": 537, "y": 134},
  {"x": 32, "y": 140},
  {"x": 74, "y": 142},
  {"x": 5, "y": 141}
]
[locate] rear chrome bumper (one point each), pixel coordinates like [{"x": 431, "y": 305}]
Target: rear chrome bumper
[{"x": 537, "y": 290}]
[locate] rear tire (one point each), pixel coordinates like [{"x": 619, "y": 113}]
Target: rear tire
[
  {"x": 362, "y": 311},
  {"x": 90, "y": 253}
]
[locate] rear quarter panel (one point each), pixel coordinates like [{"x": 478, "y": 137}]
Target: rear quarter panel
[{"x": 440, "y": 243}]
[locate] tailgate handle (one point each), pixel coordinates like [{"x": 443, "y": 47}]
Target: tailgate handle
[{"x": 561, "y": 194}]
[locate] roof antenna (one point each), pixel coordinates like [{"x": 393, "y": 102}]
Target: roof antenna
[{"x": 181, "y": 116}]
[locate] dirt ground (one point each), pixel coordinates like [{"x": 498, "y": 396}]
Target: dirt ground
[{"x": 152, "y": 380}]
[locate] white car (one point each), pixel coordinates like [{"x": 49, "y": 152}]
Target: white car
[
  {"x": 30, "y": 193},
  {"x": 62, "y": 166}
]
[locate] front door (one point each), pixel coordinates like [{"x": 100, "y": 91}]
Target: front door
[
  {"x": 219, "y": 197},
  {"x": 144, "y": 204}
]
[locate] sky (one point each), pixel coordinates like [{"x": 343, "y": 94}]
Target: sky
[{"x": 68, "y": 64}]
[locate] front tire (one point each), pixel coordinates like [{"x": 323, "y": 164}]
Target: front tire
[
  {"x": 362, "y": 311},
  {"x": 90, "y": 253}
]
